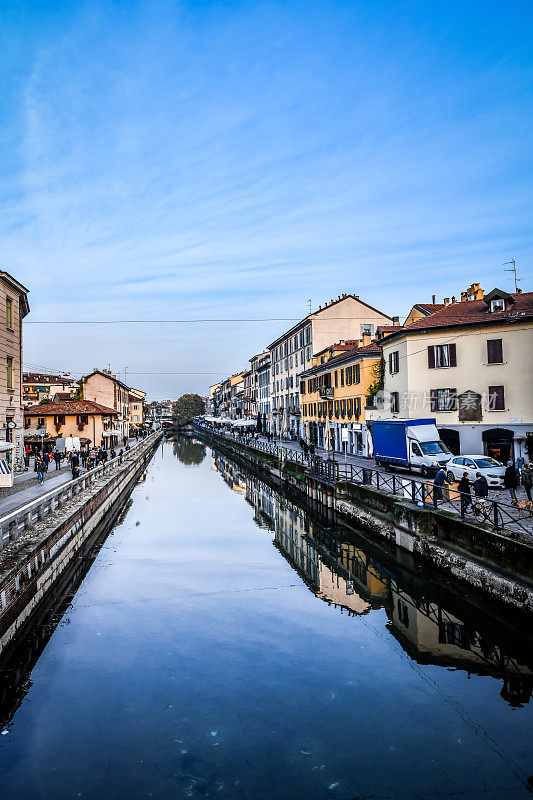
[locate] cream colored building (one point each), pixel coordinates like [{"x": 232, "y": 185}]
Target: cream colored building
[
  {"x": 104, "y": 388},
  {"x": 136, "y": 405},
  {"x": 37, "y": 386},
  {"x": 470, "y": 366},
  {"x": 13, "y": 308},
  {"x": 90, "y": 422},
  {"x": 348, "y": 317}
]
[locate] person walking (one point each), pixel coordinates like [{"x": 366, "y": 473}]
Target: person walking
[
  {"x": 46, "y": 461},
  {"x": 57, "y": 459},
  {"x": 83, "y": 456},
  {"x": 481, "y": 487},
  {"x": 527, "y": 479},
  {"x": 438, "y": 482},
  {"x": 40, "y": 468},
  {"x": 464, "y": 488},
  {"x": 510, "y": 481}
]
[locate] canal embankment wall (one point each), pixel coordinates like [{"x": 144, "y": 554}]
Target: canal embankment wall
[
  {"x": 35, "y": 558},
  {"x": 498, "y": 567}
]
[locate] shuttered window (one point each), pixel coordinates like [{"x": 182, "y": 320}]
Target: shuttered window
[
  {"x": 394, "y": 362},
  {"x": 394, "y": 402},
  {"x": 357, "y": 402},
  {"x": 494, "y": 351},
  {"x": 342, "y": 377},
  {"x": 350, "y": 408},
  {"x": 357, "y": 373},
  {"x": 443, "y": 399},
  {"x": 442, "y": 355},
  {"x": 496, "y": 398}
]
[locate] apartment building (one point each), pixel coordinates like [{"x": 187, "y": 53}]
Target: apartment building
[
  {"x": 37, "y": 386},
  {"x": 348, "y": 317},
  {"x": 14, "y": 307},
  {"x": 91, "y": 422},
  {"x": 469, "y": 365},
  {"x": 260, "y": 365},
  {"x": 136, "y": 406},
  {"x": 333, "y": 395},
  {"x": 102, "y": 387}
]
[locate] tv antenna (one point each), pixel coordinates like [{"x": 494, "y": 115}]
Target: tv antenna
[
  {"x": 513, "y": 270},
  {"x": 309, "y": 301}
]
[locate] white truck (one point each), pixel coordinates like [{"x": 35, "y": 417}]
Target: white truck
[{"x": 68, "y": 444}]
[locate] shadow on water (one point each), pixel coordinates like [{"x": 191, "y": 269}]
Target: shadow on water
[{"x": 430, "y": 619}]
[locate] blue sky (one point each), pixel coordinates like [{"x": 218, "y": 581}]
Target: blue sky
[{"x": 234, "y": 159}]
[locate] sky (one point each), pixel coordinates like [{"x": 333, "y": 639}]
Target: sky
[{"x": 236, "y": 160}]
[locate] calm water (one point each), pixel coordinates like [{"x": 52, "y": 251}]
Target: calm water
[{"x": 224, "y": 645}]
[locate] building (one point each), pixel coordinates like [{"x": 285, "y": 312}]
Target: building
[
  {"x": 38, "y": 386},
  {"x": 348, "y": 317},
  {"x": 104, "y": 388},
  {"x": 92, "y": 423},
  {"x": 159, "y": 413},
  {"x": 136, "y": 404},
  {"x": 211, "y": 402},
  {"x": 248, "y": 404},
  {"x": 14, "y": 305},
  {"x": 469, "y": 365},
  {"x": 260, "y": 365},
  {"x": 333, "y": 395}
]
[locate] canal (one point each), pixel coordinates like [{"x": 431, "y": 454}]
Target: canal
[{"x": 223, "y": 643}]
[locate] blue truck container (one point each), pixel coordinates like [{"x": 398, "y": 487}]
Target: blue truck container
[{"x": 412, "y": 443}]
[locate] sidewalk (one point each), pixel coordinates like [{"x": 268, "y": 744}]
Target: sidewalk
[{"x": 26, "y": 486}]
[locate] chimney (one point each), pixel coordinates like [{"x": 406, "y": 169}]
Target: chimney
[
  {"x": 396, "y": 321},
  {"x": 446, "y": 301},
  {"x": 453, "y": 299},
  {"x": 366, "y": 339},
  {"x": 433, "y": 298}
]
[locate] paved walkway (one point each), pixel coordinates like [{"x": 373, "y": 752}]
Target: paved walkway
[{"x": 26, "y": 486}]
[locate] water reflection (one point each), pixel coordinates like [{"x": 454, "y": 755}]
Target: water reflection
[
  {"x": 189, "y": 451},
  {"x": 432, "y": 624}
]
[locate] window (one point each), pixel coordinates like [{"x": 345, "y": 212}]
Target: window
[
  {"x": 494, "y": 351},
  {"x": 336, "y": 408},
  {"x": 308, "y": 335},
  {"x": 443, "y": 399},
  {"x": 357, "y": 373},
  {"x": 367, "y": 328},
  {"x": 342, "y": 377},
  {"x": 82, "y": 419},
  {"x": 9, "y": 372},
  {"x": 336, "y": 379},
  {"x": 9, "y": 312},
  {"x": 496, "y": 398},
  {"x": 301, "y": 338},
  {"x": 302, "y": 387},
  {"x": 394, "y": 402},
  {"x": 59, "y": 419},
  {"x": 308, "y": 354},
  {"x": 394, "y": 362},
  {"x": 442, "y": 355},
  {"x": 497, "y": 305},
  {"x": 40, "y": 422},
  {"x": 343, "y": 408}
]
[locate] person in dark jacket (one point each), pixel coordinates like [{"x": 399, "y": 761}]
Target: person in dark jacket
[
  {"x": 57, "y": 459},
  {"x": 46, "y": 461},
  {"x": 527, "y": 479},
  {"x": 481, "y": 487},
  {"x": 510, "y": 481},
  {"x": 464, "y": 487},
  {"x": 438, "y": 482}
]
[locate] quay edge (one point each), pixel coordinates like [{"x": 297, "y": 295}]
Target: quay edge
[
  {"x": 31, "y": 567},
  {"x": 495, "y": 566}
]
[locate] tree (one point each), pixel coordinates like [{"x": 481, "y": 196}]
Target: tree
[{"x": 187, "y": 407}]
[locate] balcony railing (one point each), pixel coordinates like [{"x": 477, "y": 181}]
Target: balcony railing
[{"x": 326, "y": 393}]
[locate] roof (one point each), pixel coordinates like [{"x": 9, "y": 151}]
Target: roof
[
  {"x": 44, "y": 377},
  {"x": 372, "y": 350},
  {"x": 134, "y": 398},
  {"x": 472, "y": 313},
  {"x": 429, "y": 308},
  {"x": 320, "y": 310},
  {"x": 106, "y": 375},
  {"x": 24, "y": 305},
  {"x": 63, "y": 396},
  {"x": 349, "y": 344},
  {"x": 73, "y": 407}
]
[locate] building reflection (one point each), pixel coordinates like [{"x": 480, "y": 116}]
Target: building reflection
[
  {"x": 188, "y": 450},
  {"x": 338, "y": 567}
]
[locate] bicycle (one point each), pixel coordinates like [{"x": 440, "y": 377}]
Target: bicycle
[{"x": 484, "y": 509}]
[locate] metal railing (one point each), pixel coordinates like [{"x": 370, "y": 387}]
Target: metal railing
[
  {"x": 22, "y": 518},
  {"x": 501, "y": 517}
]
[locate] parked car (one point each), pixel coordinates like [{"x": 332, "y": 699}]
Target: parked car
[{"x": 492, "y": 470}]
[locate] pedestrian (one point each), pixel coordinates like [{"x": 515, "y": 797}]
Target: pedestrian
[
  {"x": 438, "y": 482},
  {"x": 311, "y": 449},
  {"x": 57, "y": 459},
  {"x": 46, "y": 461},
  {"x": 464, "y": 488},
  {"x": 40, "y": 465},
  {"x": 481, "y": 487},
  {"x": 510, "y": 481},
  {"x": 527, "y": 479},
  {"x": 113, "y": 453},
  {"x": 75, "y": 465},
  {"x": 305, "y": 447},
  {"x": 84, "y": 455},
  {"x": 27, "y": 459}
]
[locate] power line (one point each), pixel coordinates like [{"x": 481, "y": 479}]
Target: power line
[{"x": 178, "y": 321}]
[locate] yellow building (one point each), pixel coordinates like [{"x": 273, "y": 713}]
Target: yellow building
[
  {"x": 136, "y": 404},
  {"x": 333, "y": 393},
  {"x": 90, "y": 422}
]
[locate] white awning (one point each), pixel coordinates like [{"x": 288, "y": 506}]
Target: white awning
[
  {"x": 114, "y": 432},
  {"x": 7, "y": 446},
  {"x": 34, "y": 432},
  {"x": 245, "y": 423}
]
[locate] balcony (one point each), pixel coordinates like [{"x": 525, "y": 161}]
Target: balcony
[{"x": 326, "y": 393}]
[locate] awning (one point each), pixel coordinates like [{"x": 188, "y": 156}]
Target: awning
[
  {"x": 111, "y": 433},
  {"x": 245, "y": 423},
  {"x": 34, "y": 432},
  {"x": 7, "y": 446}
]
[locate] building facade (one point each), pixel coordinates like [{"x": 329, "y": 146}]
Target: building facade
[
  {"x": 261, "y": 385},
  {"x": 104, "y": 388},
  {"x": 468, "y": 365},
  {"x": 348, "y": 317},
  {"x": 136, "y": 406},
  {"x": 333, "y": 395},
  {"x": 92, "y": 423},
  {"x": 13, "y": 308},
  {"x": 37, "y": 386}
]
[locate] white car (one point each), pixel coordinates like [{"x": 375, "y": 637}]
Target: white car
[{"x": 491, "y": 469}]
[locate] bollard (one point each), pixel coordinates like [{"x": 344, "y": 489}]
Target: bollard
[{"x": 27, "y": 520}]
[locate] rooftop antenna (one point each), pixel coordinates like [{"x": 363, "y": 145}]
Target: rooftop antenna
[
  {"x": 309, "y": 301},
  {"x": 513, "y": 270}
]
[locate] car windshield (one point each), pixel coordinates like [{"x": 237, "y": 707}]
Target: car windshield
[
  {"x": 433, "y": 448},
  {"x": 486, "y": 463}
]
